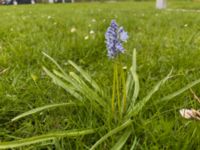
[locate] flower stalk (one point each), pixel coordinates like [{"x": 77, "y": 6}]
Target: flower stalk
[{"x": 115, "y": 37}]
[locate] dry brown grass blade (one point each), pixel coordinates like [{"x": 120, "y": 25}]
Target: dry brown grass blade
[
  {"x": 195, "y": 96},
  {"x": 4, "y": 71}
]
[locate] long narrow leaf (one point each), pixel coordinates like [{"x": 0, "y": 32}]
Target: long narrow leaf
[
  {"x": 69, "y": 79},
  {"x": 135, "y": 110},
  {"x": 39, "y": 109},
  {"x": 129, "y": 84},
  {"x": 112, "y": 132},
  {"x": 59, "y": 82},
  {"x": 130, "y": 81},
  {"x": 122, "y": 140},
  {"x": 50, "y": 58},
  {"x": 136, "y": 90},
  {"x": 90, "y": 93},
  {"x": 45, "y": 137},
  {"x": 86, "y": 76},
  {"x": 81, "y": 87},
  {"x": 133, "y": 75},
  {"x": 170, "y": 96},
  {"x": 134, "y": 144},
  {"x": 134, "y": 61}
]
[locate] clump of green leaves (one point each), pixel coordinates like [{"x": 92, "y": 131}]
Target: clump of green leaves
[{"x": 86, "y": 91}]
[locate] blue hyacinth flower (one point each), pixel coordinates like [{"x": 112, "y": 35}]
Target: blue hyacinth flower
[{"x": 115, "y": 36}]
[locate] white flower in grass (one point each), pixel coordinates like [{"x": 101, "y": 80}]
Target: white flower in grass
[
  {"x": 86, "y": 37},
  {"x": 73, "y": 30},
  {"x": 185, "y": 25},
  {"x": 49, "y": 17},
  {"x": 124, "y": 68},
  {"x": 91, "y": 32},
  {"x": 94, "y": 20}
]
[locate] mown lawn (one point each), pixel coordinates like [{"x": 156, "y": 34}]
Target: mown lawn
[{"x": 163, "y": 39}]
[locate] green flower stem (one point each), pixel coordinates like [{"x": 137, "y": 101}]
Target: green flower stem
[
  {"x": 118, "y": 88},
  {"x": 124, "y": 90},
  {"x": 113, "y": 91}
]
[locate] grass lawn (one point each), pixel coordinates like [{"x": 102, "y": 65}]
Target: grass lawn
[{"x": 163, "y": 39}]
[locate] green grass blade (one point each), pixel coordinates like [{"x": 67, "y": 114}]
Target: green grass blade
[
  {"x": 122, "y": 140},
  {"x": 59, "y": 82},
  {"x": 136, "y": 109},
  {"x": 86, "y": 76},
  {"x": 134, "y": 144},
  {"x": 39, "y": 109},
  {"x": 76, "y": 77},
  {"x": 90, "y": 93},
  {"x": 134, "y": 61},
  {"x": 136, "y": 81},
  {"x": 50, "y": 58},
  {"x": 112, "y": 132},
  {"x": 68, "y": 78},
  {"x": 136, "y": 90},
  {"x": 129, "y": 84},
  {"x": 170, "y": 96},
  {"x": 130, "y": 81},
  {"x": 135, "y": 77},
  {"x": 45, "y": 137}
]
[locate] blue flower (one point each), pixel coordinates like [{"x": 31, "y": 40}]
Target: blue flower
[
  {"x": 122, "y": 34},
  {"x": 115, "y": 36}
]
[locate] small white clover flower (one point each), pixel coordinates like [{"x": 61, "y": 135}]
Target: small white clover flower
[
  {"x": 185, "y": 25},
  {"x": 73, "y": 30},
  {"x": 86, "y": 37},
  {"x": 94, "y": 20},
  {"x": 49, "y": 17},
  {"x": 124, "y": 68},
  {"x": 91, "y": 32}
]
